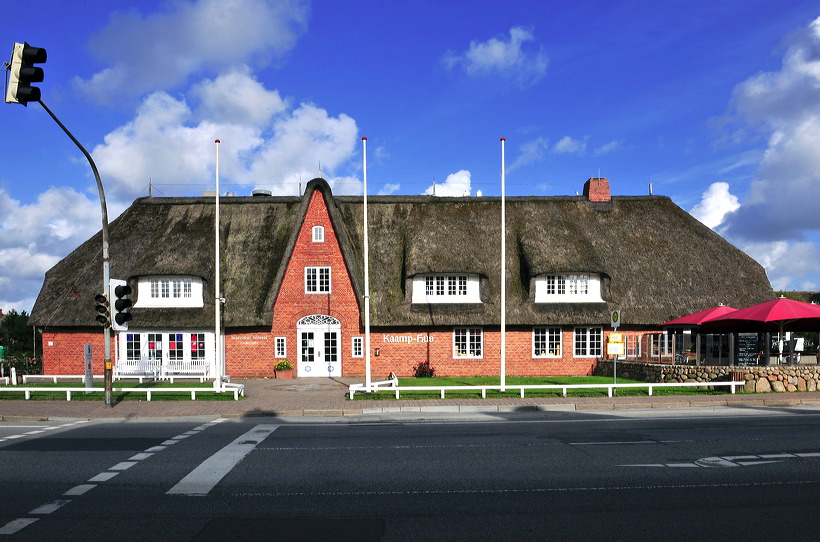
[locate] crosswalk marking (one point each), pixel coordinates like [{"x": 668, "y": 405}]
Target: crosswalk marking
[{"x": 200, "y": 481}]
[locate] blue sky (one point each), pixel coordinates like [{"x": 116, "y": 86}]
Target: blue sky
[{"x": 715, "y": 104}]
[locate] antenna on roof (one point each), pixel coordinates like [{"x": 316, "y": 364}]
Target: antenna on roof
[
  {"x": 650, "y": 186},
  {"x": 149, "y": 187},
  {"x": 320, "y": 170}
]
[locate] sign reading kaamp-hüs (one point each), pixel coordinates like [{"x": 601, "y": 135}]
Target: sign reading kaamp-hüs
[{"x": 420, "y": 338}]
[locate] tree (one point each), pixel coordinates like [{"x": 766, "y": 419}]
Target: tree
[{"x": 16, "y": 335}]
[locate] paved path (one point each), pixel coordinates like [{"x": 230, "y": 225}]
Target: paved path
[{"x": 325, "y": 397}]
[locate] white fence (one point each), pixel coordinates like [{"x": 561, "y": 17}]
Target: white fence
[
  {"x": 228, "y": 387},
  {"x": 361, "y": 388}
]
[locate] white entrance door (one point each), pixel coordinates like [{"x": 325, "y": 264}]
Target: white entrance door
[{"x": 319, "y": 339}]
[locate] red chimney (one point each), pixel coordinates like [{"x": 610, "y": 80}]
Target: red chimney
[{"x": 596, "y": 189}]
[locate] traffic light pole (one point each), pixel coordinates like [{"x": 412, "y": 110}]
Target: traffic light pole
[{"x": 108, "y": 370}]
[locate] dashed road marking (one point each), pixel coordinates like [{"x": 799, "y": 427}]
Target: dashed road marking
[{"x": 16, "y": 525}]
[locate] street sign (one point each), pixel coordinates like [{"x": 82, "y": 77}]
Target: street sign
[{"x": 616, "y": 319}]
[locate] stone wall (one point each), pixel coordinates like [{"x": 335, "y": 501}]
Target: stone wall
[{"x": 775, "y": 378}]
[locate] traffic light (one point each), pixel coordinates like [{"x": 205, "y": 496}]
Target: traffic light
[
  {"x": 23, "y": 73},
  {"x": 121, "y": 291},
  {"x": 103, "y": 313}
]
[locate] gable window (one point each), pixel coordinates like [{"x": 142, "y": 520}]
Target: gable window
[
  {"x": 317, "y": 280},
  {"x": 318, "y": 234},
  {"x": 588, "y": 342},
  {"x": 546, "y": 342},
  {"x": 568, "y": 288},
  {"x": 446, "y": 288},
  {"x": 169, "y": 292},
  {"x": 468, "y": 342}
]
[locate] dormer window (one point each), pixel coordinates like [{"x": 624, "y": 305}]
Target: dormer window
[
  {"x": 169, "y": 292},
  {"x": 446, "y": 288},
  {"x": 318, "y": 234},
  {"x": 568, "y": 288}
]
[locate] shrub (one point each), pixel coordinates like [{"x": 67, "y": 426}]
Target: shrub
[
  {"x": 284, "y": 365},
  {"x": 424, "y": 370}
]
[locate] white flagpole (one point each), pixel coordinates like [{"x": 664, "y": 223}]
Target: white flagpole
[
  {"x": 217, "y": 288},
  {"x": 503, "y": 273},
  {"x": 367, "y": 378}
]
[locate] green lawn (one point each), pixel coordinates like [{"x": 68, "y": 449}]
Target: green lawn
[
  {"x": 7, "y": 394},
  {"x": 518, "y": 380}
]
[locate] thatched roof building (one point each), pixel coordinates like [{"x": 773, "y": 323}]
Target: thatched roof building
[{"x": 656, "y": 262}]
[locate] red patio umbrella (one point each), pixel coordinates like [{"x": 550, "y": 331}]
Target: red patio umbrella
[
  {"x": 697, "y": 318},
  {"x": 777, "y": 315}
]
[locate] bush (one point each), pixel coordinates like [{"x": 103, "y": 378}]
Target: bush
[
  {"x": 424, "y": 370},
  {"x": 284, "y": 365}
]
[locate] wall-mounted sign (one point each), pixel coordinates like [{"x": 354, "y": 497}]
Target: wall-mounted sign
[{"x": 420, "y": 338}]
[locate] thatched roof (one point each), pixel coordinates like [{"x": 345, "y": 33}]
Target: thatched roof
[{"x": 656, "y": 261}]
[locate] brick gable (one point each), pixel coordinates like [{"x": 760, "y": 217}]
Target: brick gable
[{"x": 292, "y": 303}]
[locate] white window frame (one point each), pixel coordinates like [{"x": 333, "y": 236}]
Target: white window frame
[
  {"x": 661, "y": 345},
  {"x": 169, "y": 291},
  {"x": 568, "y": 288},
  {"x": 315, "y": 283},
  {"x": 357, "y": 347},
  {"x": 469, "y": 343},
  {"x": 592, "y": 345},
  {"x": 318, "y": 234},
  {"x": 547, "y": 350},
  {"x": 633, "y": 346},
  {"x": 446, "y": 288},
  {"x": 280, "y": 347}
]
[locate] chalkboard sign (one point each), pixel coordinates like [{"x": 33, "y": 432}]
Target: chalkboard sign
[{"x": 747, "y": 349}]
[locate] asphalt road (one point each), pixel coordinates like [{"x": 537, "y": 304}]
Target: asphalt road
[{"x": 717, "y": 474}]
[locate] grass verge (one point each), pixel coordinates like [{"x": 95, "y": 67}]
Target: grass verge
[{"x": 517, "y": 381}]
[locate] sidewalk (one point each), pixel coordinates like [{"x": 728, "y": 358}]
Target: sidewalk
[{"x": 325, "y": 397}]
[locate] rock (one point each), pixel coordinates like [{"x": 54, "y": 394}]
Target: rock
[
  {"x": 778, "y": 386},
  {"x": 763, "y": 386}
]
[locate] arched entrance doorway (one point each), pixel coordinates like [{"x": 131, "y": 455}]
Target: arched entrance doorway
[{"x": 318, "y": 340}]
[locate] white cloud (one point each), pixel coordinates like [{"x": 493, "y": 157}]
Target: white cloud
[
  {"x": 237, "y": 98},
  {"x": 607, "y": 148},
  {"x": 162, "y": 50},
  {"x": 786, "y": 105},
  {"x": 778, "y": 220},
  {"x": 388, "y": 189},
  {"x": 568, "y": 145},
  {"x": 530, "y": 152},
  {"x": 788, "y": 265},
  {"x": 507, "y": 58},
  {"x": 455, "y": 185},
  {"x": 35, "y": 237},
  {"x": 715, "y": 203},
  {"x": 264, "y": 143}
]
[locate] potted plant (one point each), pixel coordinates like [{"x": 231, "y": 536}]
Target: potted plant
[{"x": 283, "y": 369}]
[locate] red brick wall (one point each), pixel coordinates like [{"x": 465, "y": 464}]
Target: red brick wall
[
  {"x": 249, "y": 354},
  {"x": 436, "y": 346},
  {"x": 63, "y": 352}
]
